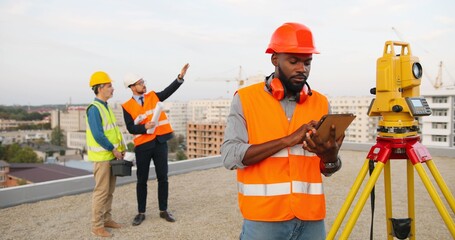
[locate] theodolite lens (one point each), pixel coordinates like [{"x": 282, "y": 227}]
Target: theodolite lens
[{"x": 417, "y": 70}]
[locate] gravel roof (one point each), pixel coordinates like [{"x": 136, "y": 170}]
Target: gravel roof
[{"x": 205, "y": 205}]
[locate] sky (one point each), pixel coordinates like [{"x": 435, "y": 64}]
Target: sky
[{"x": 49, "y": 49}]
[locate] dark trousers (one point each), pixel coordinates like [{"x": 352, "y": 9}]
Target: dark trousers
[{"x": 143, "y": 159}]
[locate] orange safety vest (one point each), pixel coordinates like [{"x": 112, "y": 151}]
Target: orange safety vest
[
  {"x": 287, "y": 184},
  {"x": 144, "y": 114}
]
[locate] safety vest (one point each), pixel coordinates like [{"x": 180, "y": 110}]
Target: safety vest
[
  {"x": 95, "y": 151},
  {"x": 287, "y": 184},
  {"x": 144, "y": 114}
]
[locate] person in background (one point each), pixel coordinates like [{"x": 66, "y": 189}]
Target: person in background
[
  {"x": 270, "y": 138},
  {"x": 150, "y": 139},
  {"x": 104, "y": 143}
]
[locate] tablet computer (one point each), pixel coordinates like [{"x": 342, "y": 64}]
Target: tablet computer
[{"x": 341, "y": 122}]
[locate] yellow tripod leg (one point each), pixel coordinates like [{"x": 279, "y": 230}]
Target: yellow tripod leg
[
  {"x": 349, "y": 199},
  {"x": 362, "y": 199},
  {"x": 436, "y": 199},
  {"x": 411, "y": 198},
  {"x": 441, "y": 183},
  {"x": 388, "y": 199}
]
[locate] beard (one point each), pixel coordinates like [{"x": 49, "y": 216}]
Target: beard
[{"x": 289, "y": 85}]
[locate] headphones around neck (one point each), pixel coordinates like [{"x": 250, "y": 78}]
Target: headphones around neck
[{"x": 279, "y": 91}]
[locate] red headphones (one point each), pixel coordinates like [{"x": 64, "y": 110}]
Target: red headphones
[{"x": 278, "y": 91}]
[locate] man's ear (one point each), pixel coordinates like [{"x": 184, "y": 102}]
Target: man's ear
[{"x": 274, "y": 59}]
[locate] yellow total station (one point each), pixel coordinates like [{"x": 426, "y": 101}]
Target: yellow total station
[{"x": 397, "y": 91}]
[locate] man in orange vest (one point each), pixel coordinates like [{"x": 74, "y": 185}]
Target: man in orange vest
[
  {"x": 150, "y": 139},
  {"x": 270, "y": 138}
]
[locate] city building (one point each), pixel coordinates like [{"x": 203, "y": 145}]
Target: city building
[
  {"x": 438, "y": 129},
  {"x": 205, "y": 128},
  {"x": 204, "y": 139},
  {"x": 8, "y": 124},
  {"x": 208, "y": 110},
  {"x": 4, "y": 170},
  {"x": 363, "y": 128},
  {"x": 177, "y": 114},
  {"x": 24, "y": 136}
]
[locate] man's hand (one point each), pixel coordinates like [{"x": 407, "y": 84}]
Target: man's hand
[
  {"x": 149, "y": 125},
  {"x": 118, "y": 155},
  {"x": 259, "y": 152},
  {"x": 298, "y": 135},
  {"x": 328, "y": 150},
  {"x": 183, "y": 71}
]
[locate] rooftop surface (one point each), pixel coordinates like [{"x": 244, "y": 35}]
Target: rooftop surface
[{"x": 205, "y": 205}]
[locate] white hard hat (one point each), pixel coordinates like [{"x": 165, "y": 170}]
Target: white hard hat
[{"x": 131, "y": 78}]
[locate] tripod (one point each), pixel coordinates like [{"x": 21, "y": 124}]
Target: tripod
[{"x": 387, "y": 148}]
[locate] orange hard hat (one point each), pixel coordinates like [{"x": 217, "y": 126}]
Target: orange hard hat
[
  {"x": 292, "y": 38},
  {"x": 99, "y": 78}
]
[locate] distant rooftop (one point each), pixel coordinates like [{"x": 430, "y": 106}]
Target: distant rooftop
[{"x": 37, "y": 172}]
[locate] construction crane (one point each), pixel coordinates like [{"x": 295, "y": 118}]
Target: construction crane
[
  {"x": 240, "y": 81},
  {"x": 437, "y": 83}
]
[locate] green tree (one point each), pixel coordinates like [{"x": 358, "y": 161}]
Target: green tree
[
  {"x": 130, "y": 147},
  {"x": 173, "y": 144},
  {"x": 18, "y": 154},
  {"x": 181, "y": 155},
  {"x": 11, "y": 150},
  {"x": 2, "y": 152},
  {"x": 57, "y": 137}
]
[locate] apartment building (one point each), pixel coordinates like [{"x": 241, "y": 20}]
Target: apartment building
[
  {"x": 363, "y": 128},
  {"x": 206, "y": 124},
  {"x": 208, "y": 110},
  {"x": 24, "y": 136},
  {"x": 204, "y": 139},
  {"x": 70, "y": 120},
  {"x": 438, "y": 129},
  {"x": 8, "y": 124},
  {"x": 177, "y": 114}
]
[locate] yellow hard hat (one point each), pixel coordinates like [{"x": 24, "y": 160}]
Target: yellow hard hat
[{"x": 99, "y": 78}]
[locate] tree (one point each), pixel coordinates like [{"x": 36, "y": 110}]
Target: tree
[
  {"x": 130, "y": 147},
  {"x": 2, "y": 152},
  {"x": 57, "y": 137},
  {"x": 172, "y": 144},
  {"x": 25, "y": 155},
  {"x": 175, "y": 142},
  {"x": 181, "y": 155},
  {"x": 11, "y": 150},
  {"x": 16, "y": 154}
]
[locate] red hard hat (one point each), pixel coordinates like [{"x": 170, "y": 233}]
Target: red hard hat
[{"x": 292, "y": 38}]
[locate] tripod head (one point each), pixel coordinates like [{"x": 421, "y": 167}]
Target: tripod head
[{"x": 397, "y": 91}]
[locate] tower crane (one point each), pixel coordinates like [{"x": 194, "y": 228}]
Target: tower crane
[
  {"x": 437, "y": 83},
  {"x": 239, "y": 79}
]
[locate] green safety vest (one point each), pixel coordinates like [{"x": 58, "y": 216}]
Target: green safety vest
[{"x": 95, "y": 151}]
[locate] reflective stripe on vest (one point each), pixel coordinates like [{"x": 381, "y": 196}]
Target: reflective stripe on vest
[
  {"x": 275, "y": 189},
  {"x": 295, "y": 150},
  {"x": 100, "y": 149},
  {"x": 160, "y": 123},
  {"x": 287, "y": 184},
  {"x": 143, "y": 114}
]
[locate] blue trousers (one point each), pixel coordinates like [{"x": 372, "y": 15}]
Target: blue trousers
[{"x": 294, "y": 229}]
